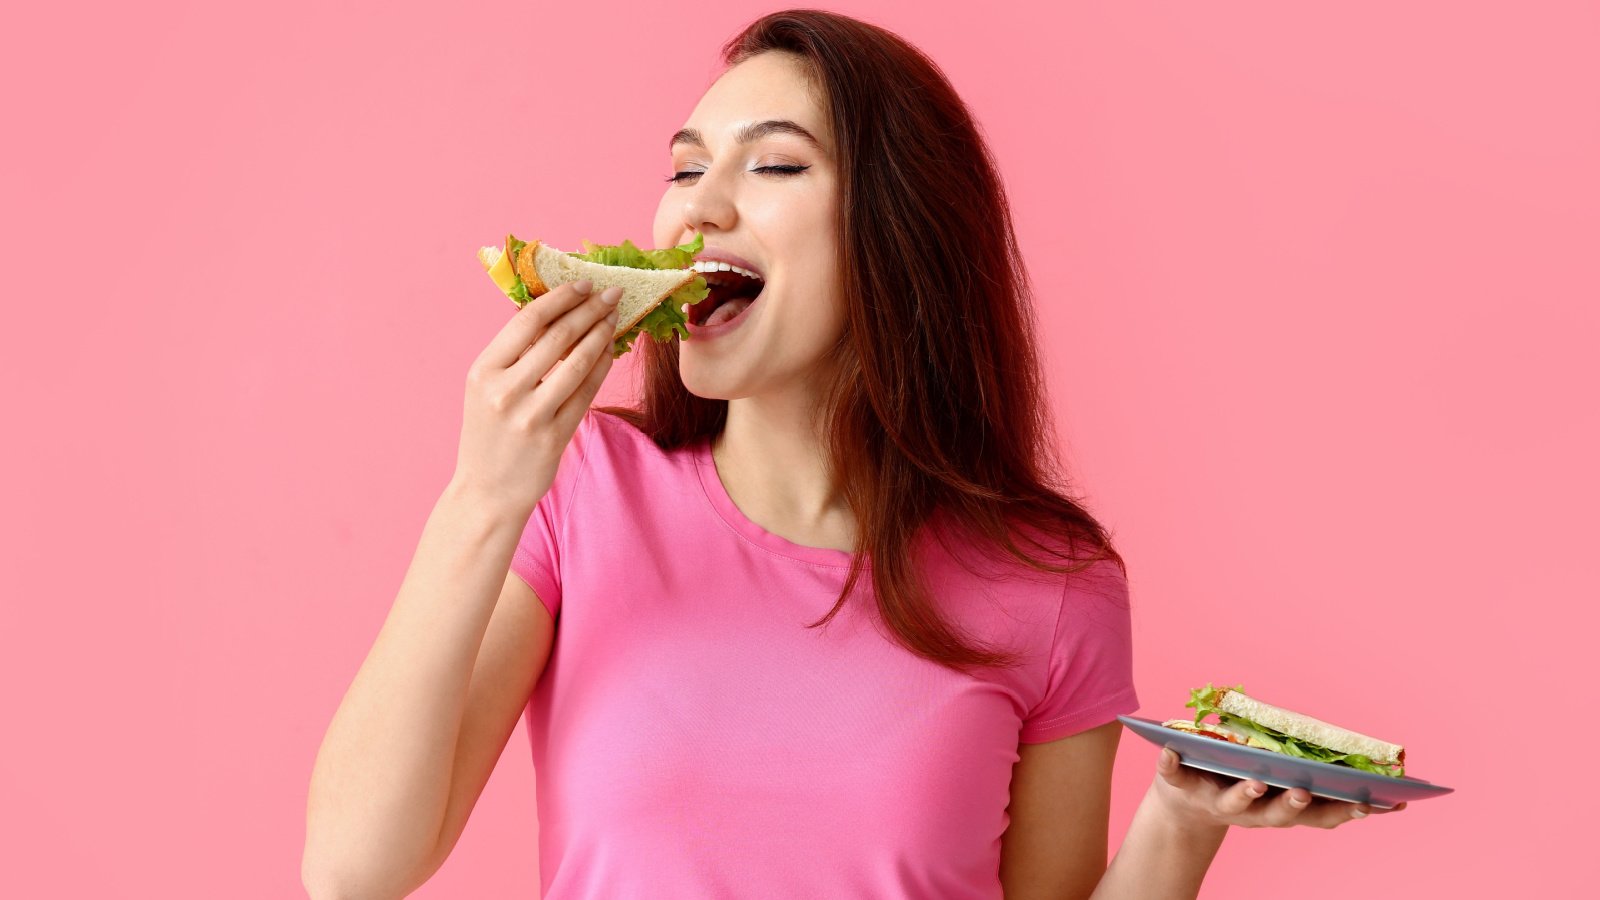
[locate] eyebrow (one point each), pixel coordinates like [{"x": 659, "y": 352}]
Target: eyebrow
[{"x": 754, "y": 131}]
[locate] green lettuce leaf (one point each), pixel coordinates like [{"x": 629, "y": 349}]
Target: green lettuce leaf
[
  {"x": 669, "y": 319},
  {"x": 1204, "y": 702},
  {"x": 519, "y": 291},
  {"x": 1302, "y": 749}
]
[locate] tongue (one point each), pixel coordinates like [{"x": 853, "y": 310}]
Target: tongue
[{"x": 728, "y": 310}]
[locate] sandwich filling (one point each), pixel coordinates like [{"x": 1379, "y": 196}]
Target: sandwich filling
[
  {"x": 1239, "y": 729},
  {"x": 665, "y": 319},
  {"x": 671, "y": 318}
]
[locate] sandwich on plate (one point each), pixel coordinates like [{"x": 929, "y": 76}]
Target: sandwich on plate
[
  {"x": 657, "y": 285},
  {"x": 1243, "y": 719}
]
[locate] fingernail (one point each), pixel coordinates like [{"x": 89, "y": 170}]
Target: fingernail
[
  {"x": 1254, "y": 791},
  {"x": 611, "y": 294},
  {"x": 1358, "y": 813},
  {"x": 1296, "y": 802},
  {"x": 583, "y": 287}
]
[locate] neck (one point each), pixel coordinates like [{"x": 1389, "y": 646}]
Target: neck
[{"x": 772, "y": 461}]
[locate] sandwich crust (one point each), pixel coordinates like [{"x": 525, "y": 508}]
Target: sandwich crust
[
  {"x": 1306, "y": 728},
  {"x": 542, "y": 268},
  {"x": 523, "y": 263}
]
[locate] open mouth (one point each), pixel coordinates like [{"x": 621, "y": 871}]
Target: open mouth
[{"x": 730, "y": 294}]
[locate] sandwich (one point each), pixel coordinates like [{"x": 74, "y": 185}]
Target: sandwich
[
  {"x": 1243, "y": 719},
  {"x": 657, "y": 285}
]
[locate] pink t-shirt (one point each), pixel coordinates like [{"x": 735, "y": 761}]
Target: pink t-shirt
[{"x": 693, "y": 739}]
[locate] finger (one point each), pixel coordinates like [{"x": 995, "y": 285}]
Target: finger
[
  {"x": 1169, "y": 767},
  {"x": 583, "y": 398},
  {"x": 1239, "y": 797},
  {"x": 531, "y": 320},
  {"x": 567, "y": 393},
  {"x": 1286, "y": 808},
  {"x": 566, "y": 331},
  {"x": 562, "y": 336},
  {"x": 1170, "y": 770},
  {"x": 1328, "y": 813}
]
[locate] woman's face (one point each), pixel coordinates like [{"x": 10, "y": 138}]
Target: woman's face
[{"x": 782, "y": 223}]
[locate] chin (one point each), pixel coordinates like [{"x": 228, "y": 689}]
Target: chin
[
  {"x": 696, "y": 379},
  {"x": 709, "y": 385}
]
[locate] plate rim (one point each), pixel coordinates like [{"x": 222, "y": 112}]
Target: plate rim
[{"x": 1427, "y": 787}]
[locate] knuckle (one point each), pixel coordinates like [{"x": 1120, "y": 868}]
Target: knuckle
[
  {"x": 580, "y": 361},
  {"x": 538, "y": 314},
  {"x": 501, "y": 401},
  {"x": 562, "y": 333}
]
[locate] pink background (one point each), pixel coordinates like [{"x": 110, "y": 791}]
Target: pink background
[{"x": 1319, "y": 287}]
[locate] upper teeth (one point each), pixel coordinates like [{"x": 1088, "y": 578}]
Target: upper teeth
[{"x": 713, "y": 265}]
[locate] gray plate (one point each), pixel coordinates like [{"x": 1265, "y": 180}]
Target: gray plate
[{"x": 1279, "y": 770}]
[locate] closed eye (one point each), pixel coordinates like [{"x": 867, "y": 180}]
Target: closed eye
[{"x": 779, "y": 171}]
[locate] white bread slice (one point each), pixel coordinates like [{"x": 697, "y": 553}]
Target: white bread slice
[
  {"x": 542, "y": 268},
  {"x": 1306, "y": 728}
]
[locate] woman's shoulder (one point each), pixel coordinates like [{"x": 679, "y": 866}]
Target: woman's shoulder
[
  {"x": 618, "y": 426},
  {"x": 1091, "y": 562},
  {"x": 611, "y": 439}
]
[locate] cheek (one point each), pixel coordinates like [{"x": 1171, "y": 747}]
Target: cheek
[
  {"x": 801, "y": 221},
  {"x": 663, "y": 232},
  {"x": 835, "y": 315}
]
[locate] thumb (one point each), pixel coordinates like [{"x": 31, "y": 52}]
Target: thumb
[{"x": 1167, "y": 765}]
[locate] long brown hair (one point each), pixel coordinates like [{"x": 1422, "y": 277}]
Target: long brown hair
[{"x": 936, "y": 406}]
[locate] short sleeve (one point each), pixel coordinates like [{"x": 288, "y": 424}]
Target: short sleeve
[
  {"x": 1089, "y": 678},
  {"x": 537, "y": 559}
]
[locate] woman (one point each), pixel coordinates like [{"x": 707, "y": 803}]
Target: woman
[{"x": 827, "y": 629}]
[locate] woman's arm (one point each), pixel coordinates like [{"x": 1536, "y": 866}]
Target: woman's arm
[
  {"x": 1161, "y": 856},
  {"x": 381, "y": 784},
  {"x": 1054, "y": 847}
]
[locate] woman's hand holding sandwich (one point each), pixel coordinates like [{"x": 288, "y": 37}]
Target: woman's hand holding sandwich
[{"x": 528, "y": 390}]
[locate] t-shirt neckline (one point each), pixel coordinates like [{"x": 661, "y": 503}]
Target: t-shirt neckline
[{"x": 717, "y": 494}]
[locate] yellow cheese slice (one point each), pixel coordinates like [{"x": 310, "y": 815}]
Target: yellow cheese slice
[{"x": 498, "y": 265}]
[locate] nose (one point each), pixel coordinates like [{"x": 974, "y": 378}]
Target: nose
[{"x": 708, "y": 205}]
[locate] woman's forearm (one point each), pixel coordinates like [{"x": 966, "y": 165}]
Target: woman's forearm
[
  {"x": 381, "y": 782},
  {"x": 1161, "y": 858}
]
